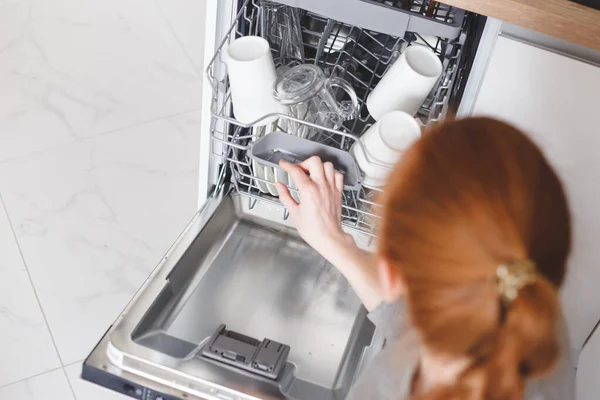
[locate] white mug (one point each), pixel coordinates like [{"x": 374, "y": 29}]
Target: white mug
[
  {"x": 251, "y": 77},
  {"x": 374, "y": 174},
  {"x": 391, "y": 135},
  {"x": 406, "y": 83},
  {"x": 384, "y": 143}
]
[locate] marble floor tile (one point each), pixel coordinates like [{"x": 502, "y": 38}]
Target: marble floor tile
[
  {"x": 26, "y": 347},
  {"x": 94, "y": 217},
  {"x": 186, "y": 18},
  {"x": 49, "y": 386},
  {"x": 27, "y": 120},
  {"x": 72, "y": 69},
  {"x": 85, "y": 390}
]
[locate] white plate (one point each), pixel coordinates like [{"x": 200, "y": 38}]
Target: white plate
[
  {"x": 259, "y": 172},
  {"x": 291, "y": 184},
  {"x": 281, "y": 176},
  {"x": 257, "y": 169},
  {"x": 262, "y": 172},
  {"x": 270, "y": 176}
]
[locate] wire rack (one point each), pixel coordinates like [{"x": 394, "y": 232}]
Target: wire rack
[
  {"x": 359, "y": 56},
  {"x": 432, "y": 9}
]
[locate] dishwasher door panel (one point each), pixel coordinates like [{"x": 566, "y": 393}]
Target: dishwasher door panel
[{"x": 259, "y": 279}]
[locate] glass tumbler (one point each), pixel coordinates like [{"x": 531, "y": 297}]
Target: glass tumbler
[
  {"x": 280, "y": 25},
  {"x": 308, "y": 95}
]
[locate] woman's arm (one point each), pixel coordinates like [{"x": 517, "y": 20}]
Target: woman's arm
[
  {"x": 360, "y": 269},
  {"x": 318, "y": 220}
]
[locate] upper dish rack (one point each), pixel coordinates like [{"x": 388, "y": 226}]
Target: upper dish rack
[{"x": 358, "y": 55}]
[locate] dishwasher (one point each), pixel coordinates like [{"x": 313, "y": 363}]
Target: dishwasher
[{"x": 241, "y": 307}]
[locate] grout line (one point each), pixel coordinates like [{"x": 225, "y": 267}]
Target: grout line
[
  {"x": 99, "y": 135},
  {"x": 32, "y": 376},
  {"x": 73, "y": 363},
  {"x": 31, "y": 280},
  {"x": 69, "y": 383},
  {"x": 67, "y": 376},
  {"x": 174, "y": 33}
]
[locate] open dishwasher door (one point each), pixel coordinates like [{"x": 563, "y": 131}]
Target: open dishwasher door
[
  {"x": 231, "y": 267},
  {"x": 241, "y": 307}
]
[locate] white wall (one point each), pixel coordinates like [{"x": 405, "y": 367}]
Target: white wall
[
  {"x": 557, "y": 101},
  {"x": 588, "y": 377}
]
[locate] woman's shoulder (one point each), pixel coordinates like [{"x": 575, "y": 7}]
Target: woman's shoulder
[
  {"x": 389, "y": 374},
  {"x": 390, "y": 319},
  {"x": 396, "y": 343}
]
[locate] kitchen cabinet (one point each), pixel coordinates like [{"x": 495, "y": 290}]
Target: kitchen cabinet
[
  {"x": 554, "y": 98},
  {"x": 563, "y": 19},
  {"x": 239, "y": 283}
]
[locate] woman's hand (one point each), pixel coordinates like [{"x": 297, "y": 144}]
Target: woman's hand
[
  {"x": 318, "y": 215},
  {"x": 318, "y": 220}
]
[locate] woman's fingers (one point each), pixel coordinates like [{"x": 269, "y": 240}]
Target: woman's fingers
[
  {"x": 286, "y": 198},
  {"x": 339, "y": 181},
  {"x": 314, "y": 166},
  {"x": 329, "y": 173},
  {"x": 296, "y": 172},
  {"x": 320, "y": 173}
]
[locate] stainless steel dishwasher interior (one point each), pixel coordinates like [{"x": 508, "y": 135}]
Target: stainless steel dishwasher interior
[{"x": 262, "y": 281}]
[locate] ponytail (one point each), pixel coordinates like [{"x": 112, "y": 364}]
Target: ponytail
[
  {"x": 528, "y": 342},
  {"x": 524, "y": 345}
]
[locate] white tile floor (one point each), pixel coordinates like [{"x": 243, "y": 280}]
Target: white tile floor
[{"x": 99, "y": 132}]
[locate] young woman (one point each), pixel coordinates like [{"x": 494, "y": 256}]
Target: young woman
[{"x": 473, "y": 243}]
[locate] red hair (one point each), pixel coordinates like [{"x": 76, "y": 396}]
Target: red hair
[{"x": 470, "y": 195}]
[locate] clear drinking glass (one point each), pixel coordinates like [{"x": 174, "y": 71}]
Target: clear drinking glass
[
  {"x": 308, "y": 95},
  {"x": 280, "y": 26}
]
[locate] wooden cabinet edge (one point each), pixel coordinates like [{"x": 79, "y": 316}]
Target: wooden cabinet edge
[{"x": 559, "y": 18}]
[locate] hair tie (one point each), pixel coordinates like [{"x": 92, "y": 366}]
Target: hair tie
[{"x": 510, "y": 278}]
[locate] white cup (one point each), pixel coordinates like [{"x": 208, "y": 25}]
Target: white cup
[
  {"x": 251, "y": 78},
  {"x": 407, "y": 82},
  {"x": 389, "y": 137},
  {"x": 374, "y": 174},
  {"x": 384, "y": 143},
  {"x": 427, "y": 40}
]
